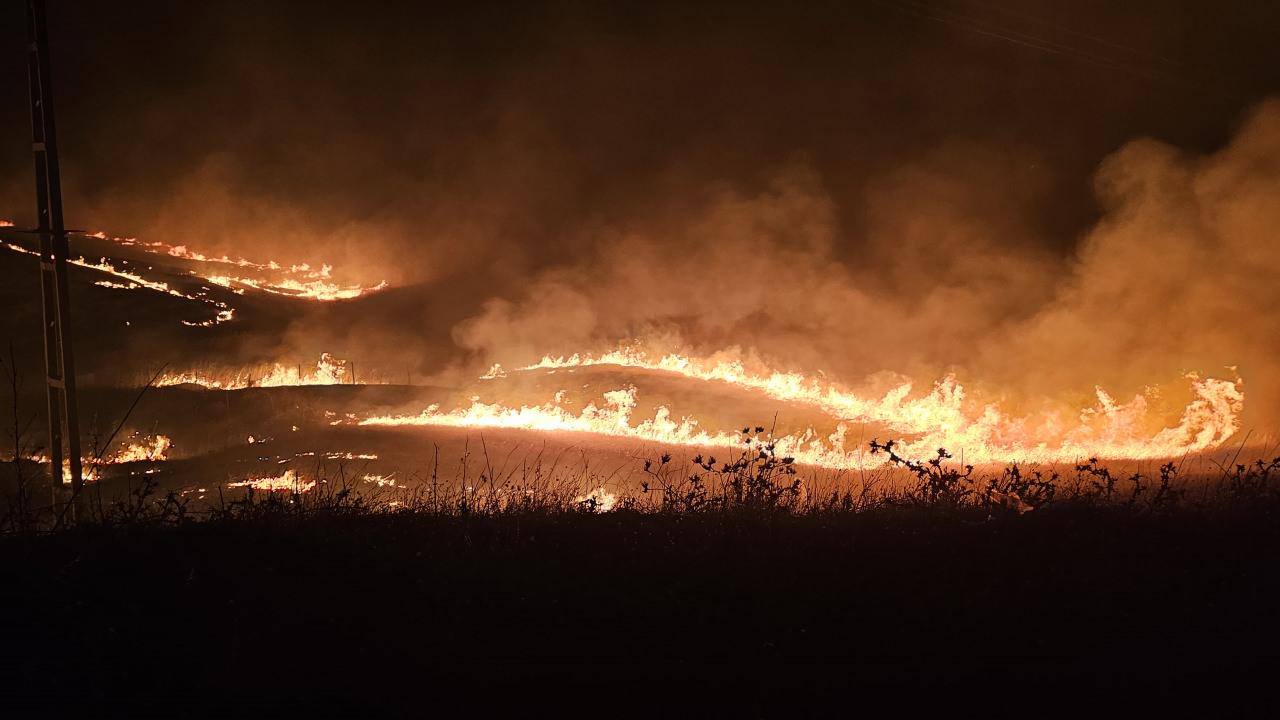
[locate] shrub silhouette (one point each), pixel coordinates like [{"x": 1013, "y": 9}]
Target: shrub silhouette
[{"x": 755, "y": 479}]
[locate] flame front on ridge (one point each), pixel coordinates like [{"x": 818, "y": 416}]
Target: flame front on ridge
[{"x": 940, "y": 418}]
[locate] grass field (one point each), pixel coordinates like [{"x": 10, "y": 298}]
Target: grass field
[{"x": 338, "y": 599}]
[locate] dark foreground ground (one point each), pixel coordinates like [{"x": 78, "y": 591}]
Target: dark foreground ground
[{"x": 360, "y": 612}]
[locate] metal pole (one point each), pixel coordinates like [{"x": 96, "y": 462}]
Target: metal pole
[{"x": 55, "y": 301}]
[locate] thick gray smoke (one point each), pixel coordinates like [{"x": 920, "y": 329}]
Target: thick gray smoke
[{"x": 1177, "y": 276}]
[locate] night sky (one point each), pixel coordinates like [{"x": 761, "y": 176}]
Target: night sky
[{"x": 592, "y": 111}]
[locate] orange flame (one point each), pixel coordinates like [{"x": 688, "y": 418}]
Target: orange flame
[
  {"x": 288, "y": 481},
  {"x": 297, "y": 281},
  {"x": 293, "y": 280},
  {"x": 940, "y": 418},
  {"x": 146, "y": 448},
  {"x": 328, "y": 371}
]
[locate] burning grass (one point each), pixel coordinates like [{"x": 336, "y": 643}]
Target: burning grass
[
  {"x": 186, "y": 274},
  {"x": 944, "y": 414},
  {"x": 941, "y": 417},
  {"x": 754, "y": 477},
  {"x": 328, "y": 370}
]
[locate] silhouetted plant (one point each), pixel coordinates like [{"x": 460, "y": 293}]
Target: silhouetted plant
[
  {"x": 1166, "y": 495},
  {"x": 1102, "y": 484},
  {"x": 1021, "y": 491},
  {"x": 939, "y": 484},
  {"x": 1252, "y": 481},
  {"x": 756, "y": 478}
]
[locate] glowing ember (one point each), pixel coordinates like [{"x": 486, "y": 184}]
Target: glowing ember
[
  {"x": 286, "y": 482},
  {"x": 599, "y": 500},
  {"x": 381, "y": 480},
  {"x": 350, "y": 456},
  {"x": 313, "y": 289}
]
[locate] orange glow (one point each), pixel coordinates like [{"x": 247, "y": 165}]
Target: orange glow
[
  {"x": 293, "y": 280},
  {"x": 613, "y": 419},
  {"x": 147, "y": 449},
  {"x": 943, "y": 416},
  {"x": 140, "y": 448},
  {"x": 940, "y": 418},
  {"x": 300, "y": 281},
  {"x": 287, "y": 481},
  {"x": 327, "y": 371},
  {"x": 600, "y": 500}
]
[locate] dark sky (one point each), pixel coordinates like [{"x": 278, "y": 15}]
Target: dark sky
[{"x": 560, "y": 111}]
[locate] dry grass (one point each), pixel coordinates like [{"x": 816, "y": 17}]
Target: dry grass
[{"x": 755, "y": 479}]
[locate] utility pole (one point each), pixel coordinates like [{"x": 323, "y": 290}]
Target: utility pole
[{"x": 60, "y": 370}]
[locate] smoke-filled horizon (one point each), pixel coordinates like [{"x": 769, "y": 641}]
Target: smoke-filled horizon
[{"x": 1037, "y": 196}]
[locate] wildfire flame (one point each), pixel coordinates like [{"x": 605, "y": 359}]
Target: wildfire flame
[
  {"x": 140, "y": 448},
  {"x": 327, "y": 371},
  {"x": 297, "y": 281},
  {"x": 314, "y": 289},
  {"x": 381, "y": 480},
  {"x": 600, "y": 500},
  {"x": 613, "y": 418},
  {"x": 134, "y": 281},
  {"x": 287, "y": 481},
  {"x": 941, "y": 418},
  {"x": 149, "y": 449}
]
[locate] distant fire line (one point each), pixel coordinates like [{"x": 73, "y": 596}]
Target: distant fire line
[
  {"x": 299, "y": 281},
  {"x": 328, "y": 370}
]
